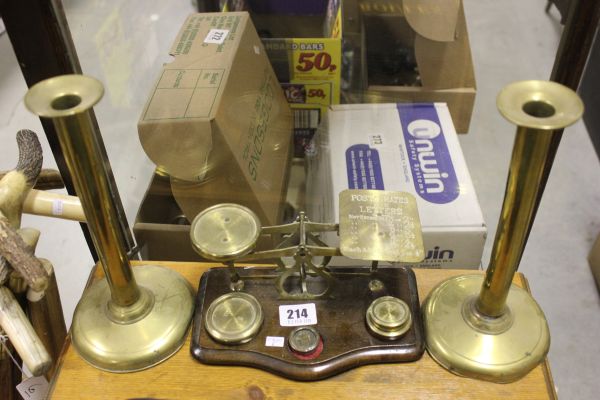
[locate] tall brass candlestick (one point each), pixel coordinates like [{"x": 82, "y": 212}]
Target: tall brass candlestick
[
  {"x": 127, "y": 321},
  {"x": 488, "y": 328}
]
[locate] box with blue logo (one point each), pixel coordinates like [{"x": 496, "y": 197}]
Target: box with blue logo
[{"x": 402, "y": 147}]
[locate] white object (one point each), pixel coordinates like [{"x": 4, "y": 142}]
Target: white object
[
  {"x": 297, "y": 314},
  {"x": 402, "y": 147},
  {"x": 35, "y": 388},
  {"x": 22, "y": 335},
  {"x": 216, "y": 36},
  {"x": 274, "y": 341},
  {"x": 49, "y": 204}
]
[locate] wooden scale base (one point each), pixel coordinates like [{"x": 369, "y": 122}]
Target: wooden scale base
[{"x": 346, "y": 341}]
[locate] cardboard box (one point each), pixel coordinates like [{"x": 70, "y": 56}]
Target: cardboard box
[
  {"x": 400, "y": 147},
  {"x": 217, "y": 121},
  {"x": 161, "y": 230},
  {"x": 409, "y": 51},
  {"x": 304, "y": 48}
]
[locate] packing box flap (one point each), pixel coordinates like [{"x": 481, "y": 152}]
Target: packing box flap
[
  {"x": 433, "y": 19},
  {"x": 446, "y": 64}
]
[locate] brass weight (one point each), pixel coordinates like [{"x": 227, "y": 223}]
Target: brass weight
[
  {"x": 127, "y": 321},
  {"x": 488, "y": 328}
]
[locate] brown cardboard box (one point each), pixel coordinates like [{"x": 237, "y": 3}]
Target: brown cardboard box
[
  {"x": 160, "y": 229},
  {"x": 217, "y": 121},
  {"x": 431, "y": 34}
]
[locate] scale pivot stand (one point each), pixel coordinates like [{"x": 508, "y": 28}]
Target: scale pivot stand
[
  {"x": 130, "y": 320},
  {"x": 375, "y": 225},
  {"x": 487, "y": 328}
]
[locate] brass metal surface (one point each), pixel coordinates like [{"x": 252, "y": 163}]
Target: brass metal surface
[
  {"x": 234, "y": 318},
  {"x": 156, "y": 315},
  {"x": 297, "y": 240},
  {"x": 490, "y": 329},
  {"x": 388, "y": 317},
  {"x": 304, "y": 340},
  {"x": 501, "y": 354},
  {"x": 123, "y": 347},
  {"x": 68, "y": 100},
  {"x": 539, "y": 105},
  {"x": 380, "y": 225},
  {"x": 225, "y": 232},
  {"x": 536, "y": 107}
]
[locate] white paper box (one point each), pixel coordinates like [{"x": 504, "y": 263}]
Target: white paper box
[{"x": 401, "y": 147}]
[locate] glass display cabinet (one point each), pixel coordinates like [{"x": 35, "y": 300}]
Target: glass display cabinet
[{"x": 288, "y": 192}]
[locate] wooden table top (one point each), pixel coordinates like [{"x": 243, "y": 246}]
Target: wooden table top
[{"x": 182, "y": 377}]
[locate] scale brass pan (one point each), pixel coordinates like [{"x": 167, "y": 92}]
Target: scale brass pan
[{"x": 225, "y": 232}]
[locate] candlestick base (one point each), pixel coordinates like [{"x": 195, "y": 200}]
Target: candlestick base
[
  {"x": 136, "y": 337},
  {"x": 470, "y": 344}
]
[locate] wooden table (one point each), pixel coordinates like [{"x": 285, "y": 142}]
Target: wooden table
[{"x": 181, "y": 377}]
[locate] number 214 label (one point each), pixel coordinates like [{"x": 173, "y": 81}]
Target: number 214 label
[{"x": 297, "y": 314}]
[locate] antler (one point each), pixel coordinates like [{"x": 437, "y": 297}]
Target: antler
[
  {"x": 14, "y": 250},
  {"x": 15, "y": 185},
  {"x": 30, "y": 155}
]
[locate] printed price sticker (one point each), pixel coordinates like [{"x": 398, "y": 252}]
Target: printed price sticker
[
  {"x": 297, "y": 314},
  {"x": 35, "y": 388},
  {"x": 216, "y": 36},
  {"x": 274, "y": 341},
  {"x": 319, "y": 60}
]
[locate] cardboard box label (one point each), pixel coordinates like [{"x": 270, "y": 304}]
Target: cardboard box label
[
  {"x": 216, "y": 36},
  {"x": 219, "y": 24},
  {"x": 314, "y": 59},
  {"x": 189, "y": 84}
]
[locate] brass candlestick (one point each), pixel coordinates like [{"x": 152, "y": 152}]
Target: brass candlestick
[
  {"x": 488, "y": 328},
  {"x": 127, "y": 321}
]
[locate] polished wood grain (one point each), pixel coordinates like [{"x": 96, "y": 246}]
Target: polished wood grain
[{"x": 181, "y": 377}]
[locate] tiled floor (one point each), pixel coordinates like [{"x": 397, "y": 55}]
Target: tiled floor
[{"x": 124, "y": 43}]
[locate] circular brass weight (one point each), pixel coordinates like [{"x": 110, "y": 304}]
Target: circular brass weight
[
  {"x": 234, "y": 318},
  {"x": 388, "y": 317},
  {"x": 224, "y": 232},
  {"x": 113, "y": 344},
  {"x": 304, "y": 340},
  {"x": 501, "y": 352}
]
